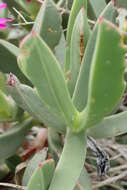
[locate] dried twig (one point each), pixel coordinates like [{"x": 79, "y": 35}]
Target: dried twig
[
  {"x": 25, "y": 22},
  {"x": 111, "y": 180},
  {"x": 20, "y": 15},
  {"x": 118, "y": 168},
  {"x": 12, "y": 186}
]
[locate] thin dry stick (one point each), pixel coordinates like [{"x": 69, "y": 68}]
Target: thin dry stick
[
  {"x": 118, "y": 168},
  {"x": 12, "y": 186},
  {"x": 91, "y": 22},
  {"x": 116, "y": 187},
  {"x": 21, "y": 16},
  {"x": 112, "y": 153},
  {"x": 116, "y": 157},
  {"x": 23, "y": 24},
  {"x": 110, "y": 180}
]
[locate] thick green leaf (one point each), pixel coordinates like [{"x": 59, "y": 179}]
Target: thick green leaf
[
  {"x": 33, "y": 164},
  {"x": 60, "y": 50},
  {"x": 110, "y": 12},
  {"x": 74, "y": 12},
  {"x": 80, "y": 95},
  {"x": 105, "y": 91},
  {"x": 75, "y": 56},
  {"x": 96, "y": 7},
  {"x": 121, "y": 3},
  {"x": 8, "y": 108},
  {"x": 11, "y": 140},
  {"x": 81, "y": 91},
  {"x": 42, "y": 176},
  {"x": 54, "y": 143},
  {"x": 80, "y": 35},
  {"x": 83, "y": 182},
  {"x": 8, "y": 57},
  {"x": 39, "y": 64},
  {"x": 48, "y": 23},
  {"x": 3, "y": 82},
  {"x": 110, "y": 127},
  {"x": 27, "y": 98},
  {"x": 71, "y": 162}
]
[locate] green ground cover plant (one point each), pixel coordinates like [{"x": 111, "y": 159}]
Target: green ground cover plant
[{"x": 65, "y": 72}]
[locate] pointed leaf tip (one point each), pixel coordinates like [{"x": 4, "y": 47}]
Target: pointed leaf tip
[
  {"x": 11, "y": 80},
  {"x": 113, "y": 2},
  {"x": 100, "y": 19}
]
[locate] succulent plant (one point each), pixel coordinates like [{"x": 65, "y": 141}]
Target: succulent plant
[{"x": 75, "y": 97}]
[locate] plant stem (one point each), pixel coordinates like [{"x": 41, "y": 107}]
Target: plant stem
[{"x": 71, "y": 162}]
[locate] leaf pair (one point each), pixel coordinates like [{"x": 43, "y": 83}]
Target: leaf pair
[
  {"x": 38, "y": 64},
  {"x": 94, "y": 91}
]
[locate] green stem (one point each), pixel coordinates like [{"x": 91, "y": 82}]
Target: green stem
[
  {"x": 84, "y": 182},
  {"x": 71, "y": 162}
]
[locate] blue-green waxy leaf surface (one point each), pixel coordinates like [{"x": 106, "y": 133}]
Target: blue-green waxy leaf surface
[
  {"x": 77, "y": 5},
  {"x": 40, "y": 65},
  {"x": 80, "y": 95},
  {"x": 11, "y": 140},
  {"x": 83, "y": 182},
  {"x": 60, "y": 50},
  {"x": 42, "y": 176},
  {"x": 74, "y": 12},
  {"x": 33, "y": 164},
  {"x": 55, "y": 143},
  {"x": 28, "y": 99},
  {"x": 48, "y": 23},
  {"x": 75, "y": 57},
  {"x": 79, "y": 38},
  {"x": 111, "y": 126},
  {"x": 105, "y": 91},
  {"x": 71, "y": 162},
  {"x": 96, "y": 7},
  {"x": 121, "y": 3}
]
